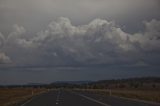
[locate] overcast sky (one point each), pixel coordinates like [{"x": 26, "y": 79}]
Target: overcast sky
[{"x": 51, "y": 40}]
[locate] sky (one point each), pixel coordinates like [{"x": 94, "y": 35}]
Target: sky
[{"x": 42, "y": 41}]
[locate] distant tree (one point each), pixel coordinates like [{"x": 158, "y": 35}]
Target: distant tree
[
  {"x": 131, "y": 84},
  {"x": 153, "y": 85},
  {"x": 122, "y": 85},
  {"x": 136, "y": 85},
  {"x": 95, "y": 86},
  {"x": 106, "y": 86}
]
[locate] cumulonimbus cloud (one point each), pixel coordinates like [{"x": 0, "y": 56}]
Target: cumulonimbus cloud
[
  {"x": 4, "y": 59},
  {"x": 1, "y": 40},
  {"x": 99, "y": 42}
]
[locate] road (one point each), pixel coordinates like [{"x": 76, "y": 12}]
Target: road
[{"x": 69, "y": 98}]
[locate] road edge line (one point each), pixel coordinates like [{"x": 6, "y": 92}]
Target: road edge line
[
  {"x": 27, "y": 102},
  {"x": 94, "y": 100}
]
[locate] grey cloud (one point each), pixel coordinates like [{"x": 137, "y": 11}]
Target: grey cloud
[
  {"x": 99, "y": 42},
  {"x": 1, "y": 40},
  {"x": 17, "y": 31},
  {"x": 4, "y": 59},
  {"x": 99, "y": 39},
  {"x": 150, "y": 39},
  {"x": 35, "y": 14}
]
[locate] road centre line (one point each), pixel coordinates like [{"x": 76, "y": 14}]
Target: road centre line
[{"x": 58, "y": 95}]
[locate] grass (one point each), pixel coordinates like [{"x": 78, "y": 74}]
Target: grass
[
  {"x": 153, "y": 96},
  {"x": 14, "y": 96}
]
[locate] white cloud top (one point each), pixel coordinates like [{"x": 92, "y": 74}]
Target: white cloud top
[{"x": 99, "y": 42}]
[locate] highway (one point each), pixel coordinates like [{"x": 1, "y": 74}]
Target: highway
[{"x": 69, "y": 98}]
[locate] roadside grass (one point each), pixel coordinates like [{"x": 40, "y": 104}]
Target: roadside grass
[
  {"x": 14, "y": 96},
  {"x": 146, "y": 95},
  {"x": 153, "y": 96}
]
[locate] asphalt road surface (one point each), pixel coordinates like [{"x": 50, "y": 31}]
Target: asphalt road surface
[{"x": 69, "y": 98}]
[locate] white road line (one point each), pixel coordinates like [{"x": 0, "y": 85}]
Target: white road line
[
  {"x": 58, "y": 95},
  {"x": 94, "y": 100},
  {"x": 27, "y": 102},
  {"x": 31, "y": 99}
]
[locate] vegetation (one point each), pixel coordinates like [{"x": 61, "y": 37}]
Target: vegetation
[{"x": 14, "y": 96}]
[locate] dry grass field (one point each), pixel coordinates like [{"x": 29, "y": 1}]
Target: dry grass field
[
  {"x": 13, "y": 96},
  {"x": 139, "y": 94}
]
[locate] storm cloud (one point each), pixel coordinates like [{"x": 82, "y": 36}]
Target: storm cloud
[
  {"x": 50, "y": 40},
  {"x": 99, "y": 42},
  {"x": 4, "y": 59}
]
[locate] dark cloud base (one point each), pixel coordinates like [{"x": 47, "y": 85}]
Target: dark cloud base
[{"x": 48, "y": 75}]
